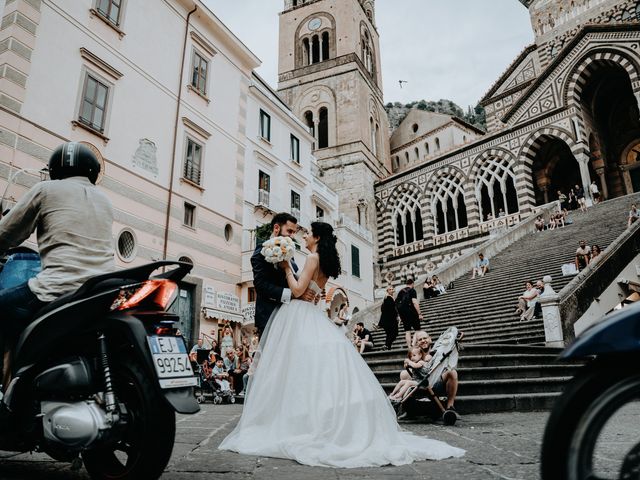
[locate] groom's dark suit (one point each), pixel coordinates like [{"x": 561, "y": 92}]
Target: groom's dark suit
[{"x": 269, "y": 282}]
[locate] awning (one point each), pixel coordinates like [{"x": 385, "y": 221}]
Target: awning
[{"x": 222, "y": 315}]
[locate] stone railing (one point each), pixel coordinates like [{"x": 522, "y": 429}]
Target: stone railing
[
  {"x": 563, "y": 309},
  {"x": 465, "y": 263},
  {"x": 453, "y": 236},
  {"x": 494, "y": 225},
  {"x": 496, "y": 244}
]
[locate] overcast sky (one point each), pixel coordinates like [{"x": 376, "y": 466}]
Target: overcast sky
[{"x": 452, "y": 49}]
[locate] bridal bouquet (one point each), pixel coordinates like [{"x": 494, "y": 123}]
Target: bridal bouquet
[{"x": 277, "y": 249}]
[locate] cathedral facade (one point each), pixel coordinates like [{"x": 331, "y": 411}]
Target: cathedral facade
[{"x": 564, "y": 114}]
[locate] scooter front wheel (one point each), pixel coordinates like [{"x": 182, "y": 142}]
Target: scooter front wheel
[{"x": 592, "y": 430}]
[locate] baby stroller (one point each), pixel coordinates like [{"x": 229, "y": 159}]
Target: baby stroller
[
  {"x": 444, "y": 357},
  {"x": 208, "y": 388}
]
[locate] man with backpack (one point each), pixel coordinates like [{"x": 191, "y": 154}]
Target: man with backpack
[{"x": 409, "y": 310}]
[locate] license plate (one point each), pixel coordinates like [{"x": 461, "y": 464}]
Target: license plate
[{"x": 172, "y": 362}]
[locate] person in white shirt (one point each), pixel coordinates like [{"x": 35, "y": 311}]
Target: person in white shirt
[
  {"x": 595, "y": 192},
  {"x": 73, "y": 222}
]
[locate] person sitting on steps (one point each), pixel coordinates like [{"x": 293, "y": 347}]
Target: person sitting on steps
[
  {"x": 482, "y": 266},
  {"x": 448, "y": 382}
]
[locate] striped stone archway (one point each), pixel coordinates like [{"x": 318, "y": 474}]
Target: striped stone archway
[
  {"x": 585, "y": 67},
  {"x": 593, "y": 70},
  {"x": 528, "y": 152},
  {"x": 386, "y": 218}
]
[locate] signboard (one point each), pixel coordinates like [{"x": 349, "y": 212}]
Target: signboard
[
  {"x": 228, "y": 302},
  {"x": 209, "y": 296},
  {"x": 249, "y": 312}
]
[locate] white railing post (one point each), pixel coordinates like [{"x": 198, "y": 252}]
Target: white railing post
[{"x": 550, "y": 302}]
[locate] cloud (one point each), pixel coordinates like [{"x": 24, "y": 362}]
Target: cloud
[{"x": 452, "y": 49}]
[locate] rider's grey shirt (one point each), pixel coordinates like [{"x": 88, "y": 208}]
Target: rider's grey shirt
[{"x": 73, "y": 221}]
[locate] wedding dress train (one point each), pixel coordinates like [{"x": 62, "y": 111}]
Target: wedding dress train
[{"x": 313, "y": 399}]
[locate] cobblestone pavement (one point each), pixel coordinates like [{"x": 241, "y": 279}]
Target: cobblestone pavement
[{"x": 499, "y": 446}]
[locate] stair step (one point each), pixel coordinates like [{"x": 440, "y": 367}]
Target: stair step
[
  {"x": 504, "y": 386},
  {"x": 504, "y": 372}
]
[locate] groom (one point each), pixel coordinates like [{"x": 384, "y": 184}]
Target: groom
[{"x": 270, "y": 281}]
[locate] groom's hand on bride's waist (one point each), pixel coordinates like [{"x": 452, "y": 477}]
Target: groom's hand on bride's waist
[{"x": 310, "y": 296}]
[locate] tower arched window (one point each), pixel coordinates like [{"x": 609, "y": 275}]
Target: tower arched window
[
  {"x": 448, "y": 206},
  {"x": 407, "y": 220},
  {"x": 374, "y": 142},
  {"x": 496, "y": 188},
  {"x": 308, "y": 120},
  {"x": 367, "y": 53},
  {"x": 406, "y": 157},
  {"x": 377, "y": 138},
  {"x": 306, "y": 52},
  {"x": 417, "y": 152},
  {"x": 437, "y": 144},
  {"x": 325, "y": 46},
  {"x": 315, "y": 49},
  {"x": 323, "y": 128},
  {"x": 426, "y": 147},
  {"x": 396, "y": 162}
]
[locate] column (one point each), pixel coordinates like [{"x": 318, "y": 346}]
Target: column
[
  {"x": 472, "y": 203},
  {"x": 552, "y": 319},
  {"x": 583, "y": 162},
  {"x": 604, "y": 194},
  {"x": 626, "y": 179}
]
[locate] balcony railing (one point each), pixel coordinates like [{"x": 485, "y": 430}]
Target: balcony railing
[
  {"x": 263, "y": 198},
  {"x": 296, "y": 213}
]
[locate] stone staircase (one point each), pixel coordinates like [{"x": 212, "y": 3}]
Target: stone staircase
[{"x": 504, "y": 364}]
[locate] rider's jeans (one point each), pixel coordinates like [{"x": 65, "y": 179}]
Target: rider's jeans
[{"x": 18, "y": 305}]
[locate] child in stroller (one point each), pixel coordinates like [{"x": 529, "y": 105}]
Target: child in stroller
[
  {"x": 222, "y": 387},
  {"x": 413, "y": 364},
  {"x": 210, "y": 386}
]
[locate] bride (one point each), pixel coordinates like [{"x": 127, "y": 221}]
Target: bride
[{"x": 312, "y": 398}]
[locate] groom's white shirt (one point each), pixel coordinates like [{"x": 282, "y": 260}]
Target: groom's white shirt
[{"x": 286, "y": 293}]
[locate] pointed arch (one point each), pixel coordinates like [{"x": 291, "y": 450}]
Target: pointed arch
[
  {"x": 446, "y": 198},
  {"x": 494, "y": 179},
  {"x": 532, "y": 144},
  {"x": 406, "y": 212}
]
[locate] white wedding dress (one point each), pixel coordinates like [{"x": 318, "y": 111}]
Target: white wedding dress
[{"x": 313, "y": 399}]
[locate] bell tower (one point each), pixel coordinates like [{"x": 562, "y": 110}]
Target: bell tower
[{"x": 329, "y": 75}]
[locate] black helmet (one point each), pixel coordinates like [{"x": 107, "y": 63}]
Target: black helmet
[{"x": 73, "y": 159}]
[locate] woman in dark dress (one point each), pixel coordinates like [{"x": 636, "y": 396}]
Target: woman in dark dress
[{"x": 389, "y": 318}]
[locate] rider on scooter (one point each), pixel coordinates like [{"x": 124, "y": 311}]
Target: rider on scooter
[{"x": 73, "y": 222}]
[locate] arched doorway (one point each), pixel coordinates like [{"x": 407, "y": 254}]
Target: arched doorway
[
  {"x": 335, "y": 298},
  {"x": 554, "y": 169},
  {"x": 612, "y": 117}
]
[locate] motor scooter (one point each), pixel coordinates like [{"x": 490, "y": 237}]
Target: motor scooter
[
  {"x": 586, "y": 435},
  {"x": 100, "y": 373}
]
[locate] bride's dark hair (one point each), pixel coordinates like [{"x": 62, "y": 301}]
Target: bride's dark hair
[{"x": 327, "y": 252}]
